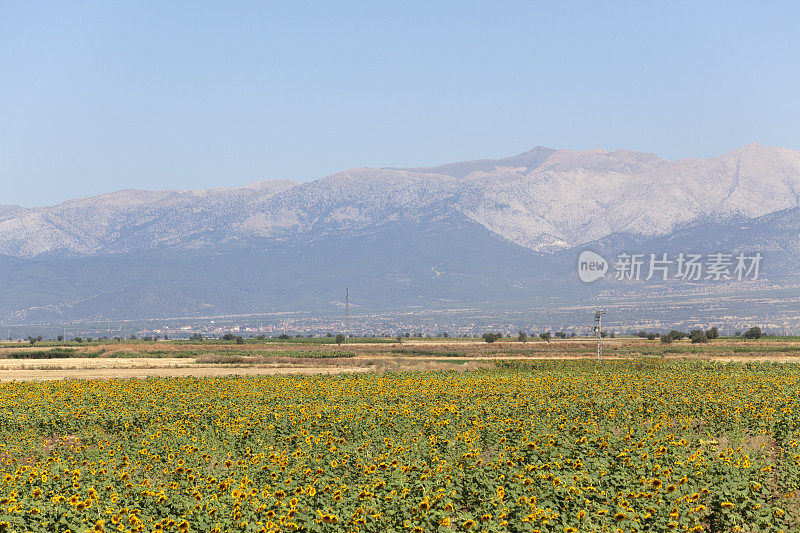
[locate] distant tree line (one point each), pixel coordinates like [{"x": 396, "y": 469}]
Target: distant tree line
[
  {"x": 698, "y": 335},
  {"x": 524, "y": 337},
  {"x": 694, "y": 336}
]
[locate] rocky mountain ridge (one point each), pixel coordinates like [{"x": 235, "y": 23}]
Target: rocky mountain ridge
[{"x": 544, "y": 200}]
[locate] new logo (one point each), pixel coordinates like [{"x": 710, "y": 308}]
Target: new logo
[{"x": 591, "y": 266}]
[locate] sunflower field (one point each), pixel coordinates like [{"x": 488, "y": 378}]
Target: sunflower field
[{"x": 559, "y": 446}]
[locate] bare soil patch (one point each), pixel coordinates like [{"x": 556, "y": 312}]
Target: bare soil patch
[{"x": 180, "y": 371}]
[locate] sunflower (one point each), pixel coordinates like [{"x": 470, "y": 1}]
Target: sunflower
[{"x": 330, "y": 519}]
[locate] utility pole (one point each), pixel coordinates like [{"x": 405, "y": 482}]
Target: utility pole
[{"x": 598, "y": 320}]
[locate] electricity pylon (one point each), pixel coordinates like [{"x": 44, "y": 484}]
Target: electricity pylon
[{"x": 598, "y": 322}]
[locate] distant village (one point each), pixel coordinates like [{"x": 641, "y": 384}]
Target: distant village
[{"x": 459, "y": 323}]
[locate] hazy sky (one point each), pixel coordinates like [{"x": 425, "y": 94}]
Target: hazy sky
[{"x": 101, "y": 96}]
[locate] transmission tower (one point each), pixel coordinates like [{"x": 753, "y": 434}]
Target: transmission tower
[
  {"x": 598, "y": 323},
  {"x": 346, "y": 314}
]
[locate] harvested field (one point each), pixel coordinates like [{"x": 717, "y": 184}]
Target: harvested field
[{"x": 141, "y": 359}]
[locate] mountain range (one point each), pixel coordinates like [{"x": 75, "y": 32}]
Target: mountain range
[{"x": 488, "y": 232}]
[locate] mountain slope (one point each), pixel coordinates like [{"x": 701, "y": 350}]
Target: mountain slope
[
  {"x": 578, "y": 197},
  {"x": 544, "y": 200},
  {"x": 431, "y": 262},
  {"x": 131, "y": 220},
  {"x": 8, "y": 210},
  {"x": 488, "y": 233}
]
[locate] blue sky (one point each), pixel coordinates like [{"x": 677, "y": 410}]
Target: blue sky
[{"x": 101, "y": 96}]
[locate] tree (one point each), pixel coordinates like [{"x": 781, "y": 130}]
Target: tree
[
  {"x": 339, "y": 338},
  {"x": 677, "y": 335},
  {"x": 712, "y": 333},
  {"x": 561, "y": 334},
  {"x": 753, "y": 333},
  {"x": 697, "y": 336},
  {"x": 60, "y": 338},
  {"x": 545, "y": 336},
  {"x": 642, "y": 334},
  {"x": 522, "y": 337},
  {"x": 228, "y": 337},
  {"x": 651, "y": 336},
  {"x": 666, "y": 338},
  {"x": 239, "y": 340},
  {"x": 399, "y": 338},
  {"x": 491, "y": 337}
]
